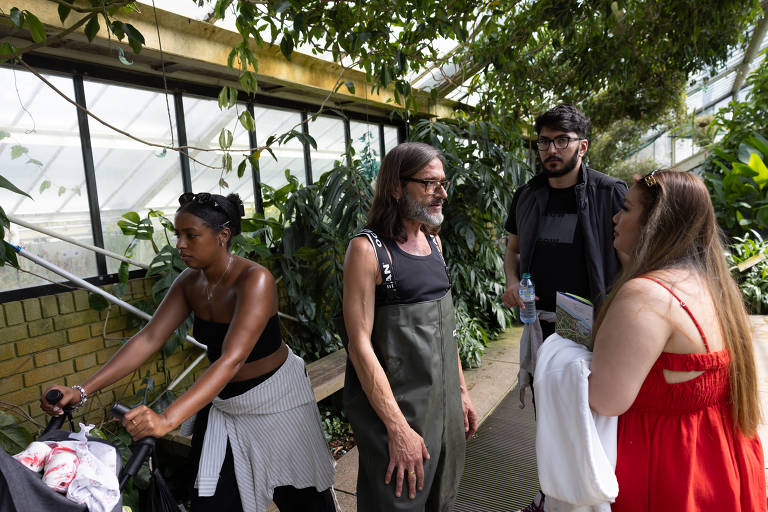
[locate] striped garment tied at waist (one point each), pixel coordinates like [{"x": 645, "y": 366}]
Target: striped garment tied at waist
[{"x": 276, "y": 439}]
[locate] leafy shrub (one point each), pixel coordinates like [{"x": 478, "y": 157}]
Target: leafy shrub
[
  {"x": 738, "y": 191},
  {"x": 752, "y": 275},
  {"x": 484, "y": 174}
]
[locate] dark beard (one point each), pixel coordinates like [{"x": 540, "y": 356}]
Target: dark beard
[{"x": 568, "y": 167}]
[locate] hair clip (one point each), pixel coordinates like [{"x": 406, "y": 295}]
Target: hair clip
[{"x": 650, "y": 180}]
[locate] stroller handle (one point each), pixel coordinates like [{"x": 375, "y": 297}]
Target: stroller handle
[
  {"x": 56, "y": 422},
  {"x": 143, "y": 447}
]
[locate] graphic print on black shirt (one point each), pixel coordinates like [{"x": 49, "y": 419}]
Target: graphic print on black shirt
[{"x": 559, "y": 260}]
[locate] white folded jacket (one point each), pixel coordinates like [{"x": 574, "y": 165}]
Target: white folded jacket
[{"x": 575, "y": 447}]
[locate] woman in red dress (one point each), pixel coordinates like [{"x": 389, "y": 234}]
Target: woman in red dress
[{"x": 673, "y": 358}]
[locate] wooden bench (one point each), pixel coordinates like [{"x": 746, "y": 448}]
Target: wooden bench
[{"x": 326, "y": 375}]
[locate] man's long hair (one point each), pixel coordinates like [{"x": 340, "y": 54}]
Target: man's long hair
[
  {"x": 402, "y": 161},
  {"x": 679, "y": 230}
]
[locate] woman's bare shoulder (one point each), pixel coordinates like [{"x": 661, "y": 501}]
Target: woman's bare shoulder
[{"x": 252, "y": 272}]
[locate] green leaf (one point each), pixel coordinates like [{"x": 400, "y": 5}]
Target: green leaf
[
  {"x": 132, "y": 217},
  {"x": 249, "y": 82},
  {"x": 122, "y": 273},
  {"x": 4, "y": 134},
  {"x": 119, "y": 289},
  {"x": 757, "y": 165},
  {"x": 223, "y": 98},
  {"x": 33, "y": 161},
  {"x": 135, "y": 38},
  {"x": 17, "y": 17},
  {"x": 350, "y": 85},
  {"x": 762, "y": 217},
  {"x": 91, "y": 29},
  {"x": 97, "y": 302},
  {"x": 36, "y": 29},
  {"x": 223, "y": 183},
  {"x": 62, "y": 191},
  {"x": 225, "y": 139},
  {"x": 17, "y": 150},
  {"x": 4, "y": 183},
  {"x": 13, "y": 437},
  {"x": 118, "y": 28},
  {"x": 745, "y": 151},
  {"x": 6, "y": 50},
  {"x": 286, "y": 45},
  {"x": 241, "y": 168},
  {"x": 246, "y": 120},
  {"x": 45, "y": 185}
]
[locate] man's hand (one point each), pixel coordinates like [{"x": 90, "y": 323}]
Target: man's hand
[
  {"x": 406, "y": 453},
  {"x": 511, "y": 297},
  {"x": 143, "y": 422},
  {"x": 470, "y": 415}
]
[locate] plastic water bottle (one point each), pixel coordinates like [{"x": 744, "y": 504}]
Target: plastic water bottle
[{"x": 528, "y": 296}]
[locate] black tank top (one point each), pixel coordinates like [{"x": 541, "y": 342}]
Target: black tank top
[
  {"x": 213, "y": 333},
  {"x": 417, "y": 278}
]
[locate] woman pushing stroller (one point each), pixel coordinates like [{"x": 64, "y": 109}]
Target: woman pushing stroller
[{"x": 257, "y": 433}]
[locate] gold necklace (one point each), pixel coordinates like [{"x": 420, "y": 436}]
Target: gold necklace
[{"x": 209, "y": 293}]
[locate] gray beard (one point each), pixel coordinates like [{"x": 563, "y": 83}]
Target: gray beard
[{"x": 412, "y": 210}]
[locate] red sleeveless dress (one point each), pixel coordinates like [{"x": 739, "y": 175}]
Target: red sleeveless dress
[{"x": 678, "y": 448}]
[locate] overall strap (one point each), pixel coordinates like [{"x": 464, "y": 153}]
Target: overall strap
[
  {"x": 384, "y": 261},
  {"x": 684, "y": 306},
  {"x": 433, "y": 240}
]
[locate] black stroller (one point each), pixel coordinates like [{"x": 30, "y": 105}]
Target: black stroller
[{"x": 22, "y": 490}]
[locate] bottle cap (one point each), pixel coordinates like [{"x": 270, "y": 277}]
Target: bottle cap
[{"x": 526, "y": 275}]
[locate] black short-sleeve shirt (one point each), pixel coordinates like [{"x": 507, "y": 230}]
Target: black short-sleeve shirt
[{"x": 559, "y": 258}]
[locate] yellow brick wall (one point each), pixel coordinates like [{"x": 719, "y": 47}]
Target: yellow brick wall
[{"x": 58, "y": 339}]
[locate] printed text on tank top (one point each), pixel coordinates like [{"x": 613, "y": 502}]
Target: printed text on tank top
[{"x": 676, "y": 377}]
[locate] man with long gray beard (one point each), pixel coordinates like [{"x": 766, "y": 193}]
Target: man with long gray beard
[
  {"x": 404, "y": 392},
  {"x": 561, "y": 231}
]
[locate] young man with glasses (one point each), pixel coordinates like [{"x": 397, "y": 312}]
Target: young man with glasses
[
  {"x": 560, "y": 228},
  {"x": 404, "y": 391}
]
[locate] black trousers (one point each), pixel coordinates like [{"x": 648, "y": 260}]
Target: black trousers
[
  {"x": 227, "y": 495},
  {"x": 287, "y": 498}
]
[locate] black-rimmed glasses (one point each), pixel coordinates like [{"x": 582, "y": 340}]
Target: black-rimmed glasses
[
  {"x": 560, "y": 142},
  {"x": 430, "y": 186}
]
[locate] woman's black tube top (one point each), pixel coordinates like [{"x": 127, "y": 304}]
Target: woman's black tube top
[{"x": 213, "y": 333}]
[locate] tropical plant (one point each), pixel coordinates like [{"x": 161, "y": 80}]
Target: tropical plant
[
  {"x": 515, "y": 59},
  {"x": 739, "y": 120},
  {"x": 738, "y": 191},
  {"x": 307, "y": 241},
  {"x": 747, "y": 259},
  {"x": 13, "y": 437},
  {"x": 7, "y": 251},
  {"x": 484, "y": 173}
]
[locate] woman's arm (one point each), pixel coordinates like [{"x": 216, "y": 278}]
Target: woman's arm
[
  {"x": 256, "y": 303},
  {"x": 406, "y": 447},
  {"x": 633, "y": 334},
  {"x": 171, "y": 312}
]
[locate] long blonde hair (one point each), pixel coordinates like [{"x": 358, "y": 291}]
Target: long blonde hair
[{"x": 679, "y": 229}]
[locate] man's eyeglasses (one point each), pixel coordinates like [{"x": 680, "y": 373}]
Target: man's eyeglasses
[
  {"x": 560, "y": 142},
  {"x": 430, "y": 186}
]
